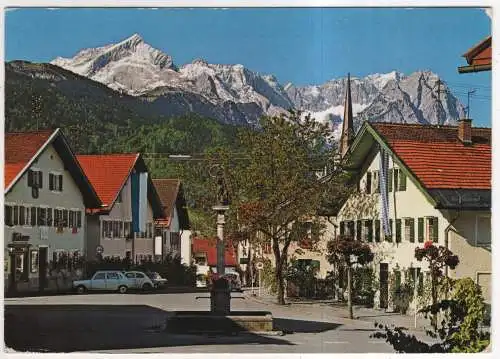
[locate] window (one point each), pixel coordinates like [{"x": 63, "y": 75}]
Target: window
[
  {"x": 8, "y": 216},
  {"x": 49, "y": 217},
  {"x": 55, "y": 182},
  {"x": 175, "y": 242},
  {"x": 35, "y": 179},
  {"x": 116, "y": 229},
  {"x": 65, "y": 217},
  {"x": 79, "y": 219},
  {"x": 140, "y": 275},
  {"x": 368, "y": 231},
  {"x": 377, "y": 230},
  {"x": 398, "y": 230},
  {"x": 342, "y": 230},
  {"x": 16, "y": 215},
  {"x": 410, "y": 230},
  {"x": 388, "y": 238},
  {"x": 368, "y": 182},
  {"x": 432, "y": 229},
  {"x": 397, "y": 279},
  {"x": 119, "y": 197},
  {"x": 100, "y": 276},
  {"x": 42, "y": 216},
  {"x": 350, "y": 229},
  {"x": 130, "y": 275},
  {"x": 418, "y": 279},
  {"x": 483, "y": 230},
  {"x": 400, "y": 179},
  {"x": 112, "y": 275},
  {"x": 149, "y": 230},
  {"x": 71, "y": 219},
  {"x": 127, "y": 229},
  {"x": 34, "y": 261}
]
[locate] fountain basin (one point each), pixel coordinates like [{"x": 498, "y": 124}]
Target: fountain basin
[{"x": 199, "y": 322}]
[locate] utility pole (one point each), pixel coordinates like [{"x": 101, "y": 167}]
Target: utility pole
[{"x": 469, "y": 93}]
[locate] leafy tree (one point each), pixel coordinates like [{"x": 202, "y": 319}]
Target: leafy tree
[
  {"x": 274, "y": 184},
  {"x": 438, "y": 258},
  {"x": 350, "y": 253}
]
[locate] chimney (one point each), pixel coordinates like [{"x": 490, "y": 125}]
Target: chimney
[{"x": 465, "y": 131}]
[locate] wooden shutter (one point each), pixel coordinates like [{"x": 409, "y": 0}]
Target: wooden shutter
[
  {"x": 376, "y": 179},
  {"x": 412, "y": 230},
  {"x": 51, "y": 181},
  {"x": 398, "y": 230},
  {"x": 396, "y": 179},
  {"x": 65, "y": 218},
  {"x": 79, "y": 219},
  {"x": 40, "y": 179},
  {"x": 60, "y": 183},
  {"x": 377, "y": 230},
  {"x": 34, "y": 211},
  {"x": 8, "y": 215},
  {"x": 420, "y": 230},
  {"x": 368, "y": 182},
  {"x": 30, "y": 178},
  {"x": 49, "y": 217},
  {"x": 358, "y": 230},
  {"x": 342, "y": 231},
  {"x": 22, "y": 215},
  {"x": 435, "y": 233},
  {"x": 16, "y": 215},
  {"x": 402, "y": 181},
  {"x": 71, "y": 221},
  {"x": 389, "y": 180},
  {"x": 389, "y": 238},
  {"x": 369, "y": 229}
]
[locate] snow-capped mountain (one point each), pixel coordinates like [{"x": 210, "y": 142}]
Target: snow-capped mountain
[{"x": 235, "y": 94}]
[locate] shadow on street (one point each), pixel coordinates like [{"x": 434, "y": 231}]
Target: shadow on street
[
  {"x": 69, "y": 328},
  {"x": 302, "y": 326}
]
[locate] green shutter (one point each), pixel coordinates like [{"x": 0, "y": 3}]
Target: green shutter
[
  {"x": 342, "y": 231},
  {"x": 398, "y": 230},
  {"x": 412, "y": 230},
  {"x": 389, "y": 238},
  {"x": 396, "y": 177},
  {"x": 420, "y": 230},
  {"x": 368, "y": 182},
  {"x": 358, "y": 230},
  {"x": 369, "y": 229},
  {"x": 376, "y": 176},
  {"x": 435, "y": 233},
  {"x": 377, "y": 230},
  {"x": 389, "y": 180},
  {"x": 402, "y": 181}
]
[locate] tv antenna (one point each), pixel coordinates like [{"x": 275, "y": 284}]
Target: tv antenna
[{"x": 469, "y": 95}]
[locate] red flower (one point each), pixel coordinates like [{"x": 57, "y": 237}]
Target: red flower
[{"x": 427, "y": 244}]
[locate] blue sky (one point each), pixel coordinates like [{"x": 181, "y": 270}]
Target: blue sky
[{"x": 302, "y": 45}]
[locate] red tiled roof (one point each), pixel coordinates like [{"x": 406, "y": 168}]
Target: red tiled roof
[
  {"x": 438, "y": 158},
  {"x": 107, "y": 173},
  {"x": 208, "y": 246},
  {"x": 167, "y": 190},
  {"x": 20, "y": 147}
]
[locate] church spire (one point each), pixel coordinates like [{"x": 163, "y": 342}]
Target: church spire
[{"x": 348, "y": 124}]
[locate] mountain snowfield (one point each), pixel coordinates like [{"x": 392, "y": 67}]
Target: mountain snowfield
[{"x": 235, "y": 94}]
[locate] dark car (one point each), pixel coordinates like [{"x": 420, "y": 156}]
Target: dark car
[{"x": 157, "y": 279}]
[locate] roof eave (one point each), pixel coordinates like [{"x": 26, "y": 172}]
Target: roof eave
[{"x": 474, "y": 68}]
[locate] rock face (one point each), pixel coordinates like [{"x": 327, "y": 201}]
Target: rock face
[{"x": 237, "y": 95}]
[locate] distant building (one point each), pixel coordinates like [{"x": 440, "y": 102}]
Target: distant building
[
  {"x": 478, "y": 57},
  {"x": 46, "y": 193},
  {"x": 438, "y": 188},
  {"x": 175, "y": 220},
  {"x": 205, "y": 254},
  {"x": 110, "y": 227}
]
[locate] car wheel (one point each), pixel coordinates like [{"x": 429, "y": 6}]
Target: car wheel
[
  {"x": 81, "y": 289},
  {"x": 122, "y": 289},
  {"x": 146, "y": 287}
]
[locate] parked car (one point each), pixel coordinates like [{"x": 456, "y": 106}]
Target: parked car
[
  {"x": 139, "y": 280},
  {"x": 157, "y": 279},
  {"x": 201, "y": 280},
  {"x": 234, "y": 281},
  {"x": 104, "y": 281}
]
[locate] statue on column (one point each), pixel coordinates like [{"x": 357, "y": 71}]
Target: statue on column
[{"x": 222, "y": 191}]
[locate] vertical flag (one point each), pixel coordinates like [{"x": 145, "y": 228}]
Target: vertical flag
[
  {"x": 384, "y": 196},
  {"x": 143, "y": 201},
  {"x": 134, "y": 179}
]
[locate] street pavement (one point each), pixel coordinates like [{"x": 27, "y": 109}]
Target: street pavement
[{"x": 135, "y": 323}]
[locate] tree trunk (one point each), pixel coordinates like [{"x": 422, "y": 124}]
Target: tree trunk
[
  {"x": 280, "y": 283},
  {"x": 349, "y": 291},
  {"x": 434, "y": 297}
]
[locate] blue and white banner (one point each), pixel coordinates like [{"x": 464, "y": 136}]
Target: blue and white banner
[
  {"x": 139, "y": 201},
  {"x": 384, "y": 195},
  {"x": 143, "y": 201}
]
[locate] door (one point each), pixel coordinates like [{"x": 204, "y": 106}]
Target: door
[
  {"x": 131, "y": 279},
  {"x": 384, "y": 285},
  {"x": 140, "y": 279},
  {"x": 98, "y": 282},
  {"x": 43, "y": 254},
  {"x": 112, "y": 281}
]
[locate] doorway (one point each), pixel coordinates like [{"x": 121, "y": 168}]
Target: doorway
[
  {"x": 42, "y": 267},
  {"x": 384, "y": 285}
]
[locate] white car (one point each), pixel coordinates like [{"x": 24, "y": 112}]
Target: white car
[
  {"x": 139, "y": 280},
  {"x": 104, "y": 281}
]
